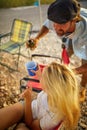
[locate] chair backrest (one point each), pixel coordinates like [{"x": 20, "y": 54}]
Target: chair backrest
[{"x": 20, "y": 31}]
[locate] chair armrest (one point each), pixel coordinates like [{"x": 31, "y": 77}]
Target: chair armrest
[
  {"x": 27, "y": 80},
  {"x": 42, "y": 55},
  {"x": 4, "y": 35}
]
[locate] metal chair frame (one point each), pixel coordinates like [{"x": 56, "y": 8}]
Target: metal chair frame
[{"x": 20, "y": 33}]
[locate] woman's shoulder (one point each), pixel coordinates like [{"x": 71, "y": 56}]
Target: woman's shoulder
[
  {"x": 42, "y": 94},
  {"x": 42, "y": 99}
]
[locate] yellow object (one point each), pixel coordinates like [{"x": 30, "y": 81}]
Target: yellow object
[{"x": 19, "y": 34}]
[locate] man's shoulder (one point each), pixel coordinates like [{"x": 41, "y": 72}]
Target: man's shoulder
[
  {"x": 48, "y": 24},
  {"x": 83, "y": 12}
]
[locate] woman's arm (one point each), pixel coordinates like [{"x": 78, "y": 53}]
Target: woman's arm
[
  {"x": 10, "y": 115},
  {"x": 35, "y": 125},
  {"x": 30, "y": 122},
  {"x": 28, "y": 112}
]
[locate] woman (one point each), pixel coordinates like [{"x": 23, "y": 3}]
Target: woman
[{"x": 58, "y": 103}]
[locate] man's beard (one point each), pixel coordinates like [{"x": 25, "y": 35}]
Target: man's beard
[{"x": 60, "y": 33}]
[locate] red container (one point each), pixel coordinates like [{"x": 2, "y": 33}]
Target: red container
[
  {"x": 42, "y": 66},
  {"x": 36, "y": 85}
]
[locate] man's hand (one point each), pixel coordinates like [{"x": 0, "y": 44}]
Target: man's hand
[
  {"x": 32, "y": 44},
  {"x": 81, "y": 70}
]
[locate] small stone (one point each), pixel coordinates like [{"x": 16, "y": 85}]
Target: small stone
[{"x": 83, "y": 125}]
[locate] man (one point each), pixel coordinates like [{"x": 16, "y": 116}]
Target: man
[{"x": 70, "y": 23}]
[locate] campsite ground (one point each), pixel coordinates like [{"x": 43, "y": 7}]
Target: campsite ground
[{"x": 9, "y": 80}]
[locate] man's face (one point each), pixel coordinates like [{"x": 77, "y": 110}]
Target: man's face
[{"x": 62, "y": 29}]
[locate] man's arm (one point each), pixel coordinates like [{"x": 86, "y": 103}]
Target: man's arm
[
  {"x": 44, "y": 30},
  {"x": 82, "y": 69}
]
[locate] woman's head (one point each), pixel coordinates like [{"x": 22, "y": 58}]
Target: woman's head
[
  {"x": 58, "y": 77},
  {"x": 60, "y": 84}
]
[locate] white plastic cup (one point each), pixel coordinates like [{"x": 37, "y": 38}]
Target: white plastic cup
[{"x": 31, "y": 65}]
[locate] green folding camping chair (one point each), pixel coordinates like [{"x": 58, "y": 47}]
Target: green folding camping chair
[{"x": 19, "y": 34}]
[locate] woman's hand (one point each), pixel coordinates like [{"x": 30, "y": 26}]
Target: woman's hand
[
  {"x": 27, "y": 94},
  {"x": 38, "y": 72}
]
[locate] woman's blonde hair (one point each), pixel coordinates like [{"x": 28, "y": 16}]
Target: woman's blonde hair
[{"x": 60, "y": 84}]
